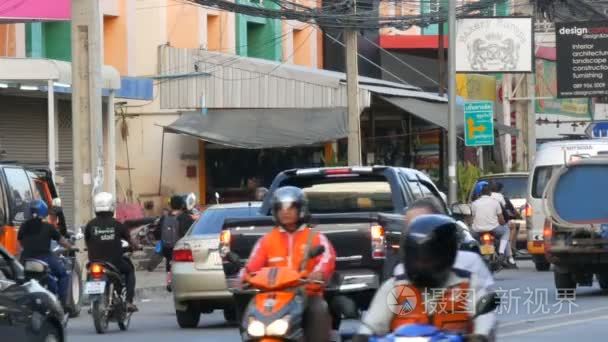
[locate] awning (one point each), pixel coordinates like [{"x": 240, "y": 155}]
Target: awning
[
  {"x": 38, "y": 69},
  {"x": 264, "y": 128},
  {"x": 436, "y": 112}
]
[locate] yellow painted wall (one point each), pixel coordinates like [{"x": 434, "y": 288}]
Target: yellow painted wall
[
  {"x": 182, "y": 24},
  {"x": 115, "y": 39},
  {"x": 8, "y": 46}
]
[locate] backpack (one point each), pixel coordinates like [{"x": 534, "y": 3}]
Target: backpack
[{"x": 169, "y": 231}]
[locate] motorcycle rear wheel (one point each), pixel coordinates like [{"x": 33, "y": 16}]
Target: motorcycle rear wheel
[
  {"x": 100, "y": 319},
  {"x": 125, "y": 322}
]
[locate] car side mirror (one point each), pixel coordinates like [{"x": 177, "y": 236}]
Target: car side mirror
[
  {"x": 233, "y": 259},
  {"x": 316, "y": 251},
  {"x": 487, "y": 303},
  {"x": 461, "y": 209}
]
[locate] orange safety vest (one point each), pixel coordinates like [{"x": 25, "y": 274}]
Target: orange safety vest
[
  {"x": 284, "y": 249},
  {"x": 449, "y": 312}
]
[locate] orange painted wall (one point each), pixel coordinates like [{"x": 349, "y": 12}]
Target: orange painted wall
[
  {"x": 115, "y": 39},
  {"x": 182, "y": 24},
  {"x": 8, "y": 45},
  {"x": 214, "y": 40},
  {"x": 302, "y": 45}
]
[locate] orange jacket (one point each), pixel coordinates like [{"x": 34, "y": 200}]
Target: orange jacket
[
  {"x": 450, "y": 312},
  {"x": 280, "y": 248}
]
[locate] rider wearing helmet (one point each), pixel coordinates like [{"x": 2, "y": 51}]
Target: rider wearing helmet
[
  {"x": 103, "y": 236},
  {"x": 35, "y": 237},
  {"x": 287, "y": 244},
  {"x": 431, "y": 290}
]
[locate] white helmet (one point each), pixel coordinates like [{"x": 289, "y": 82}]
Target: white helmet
[{"x": 104, "y": 202}]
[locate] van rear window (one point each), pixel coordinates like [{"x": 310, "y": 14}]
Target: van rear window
[{"x": 542, "y": 175}]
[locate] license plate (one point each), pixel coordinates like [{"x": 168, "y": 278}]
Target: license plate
[
  {"x": 487, "y": 249},
  {"x": 95, "y": 287}
]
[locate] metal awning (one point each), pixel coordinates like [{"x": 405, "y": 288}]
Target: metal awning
[
  {"x": 35, "y": 70},
  {"x": 264, "y": 128},
  {"x": 435, "y": 111}
]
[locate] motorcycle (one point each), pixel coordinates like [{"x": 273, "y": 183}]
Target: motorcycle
[
  {"x": 489, "y": 251},
  {"x": 40, "y": 271},
  {"x": 276, "y": 311},
  {"x": 430, "y": 333},
  {"x": 107, "y": 291}
]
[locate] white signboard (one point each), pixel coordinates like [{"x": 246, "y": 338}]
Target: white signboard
[{"x": 494, "y": 45}]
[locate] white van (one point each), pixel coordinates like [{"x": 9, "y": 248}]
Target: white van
[{"x": 550, "y": 157}]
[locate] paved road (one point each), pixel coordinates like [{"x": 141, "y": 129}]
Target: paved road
[{"x": 530, "y": 313}]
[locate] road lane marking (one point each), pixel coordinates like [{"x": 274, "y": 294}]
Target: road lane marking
[
  {"x": 551, "y": 317},
  {"x": 551, "y": 326}
]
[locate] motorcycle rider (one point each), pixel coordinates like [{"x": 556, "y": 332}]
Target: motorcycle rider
[
  {"x": 488, "y": 217},
  {"x": 286, "y": 244},
  {"x": 431, "y": 290},
  {"x": 103, "y": 236},
  {"x": 35, "y": 237},
  {"x": 509, "y": 213},
  {"x": 466, "y": 259}
]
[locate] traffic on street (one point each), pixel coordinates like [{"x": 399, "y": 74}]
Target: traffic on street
[{"x": 303, "y": 171}]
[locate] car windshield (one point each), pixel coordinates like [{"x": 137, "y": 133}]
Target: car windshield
[
  {"x": 514, "y": 187},
  {"x": 212, "y": 219}
]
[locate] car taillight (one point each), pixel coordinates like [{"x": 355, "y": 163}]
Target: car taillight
[
  {"x": 528, "y": 210},
  {"x": 548, "y": 230},
  {"x": 378, "y": 242},
  {"x": 182, "y": 255},
  {"x": 225, "y": 243},
  {"x": 344, "y": 171},
  {"x": 97, "y": 271}
]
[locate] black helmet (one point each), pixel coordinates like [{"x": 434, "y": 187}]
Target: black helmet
[
  {"x": 288, "y": 196},
  {"x": 429, "y": 250},
  {"x": 183, "y": 201}
]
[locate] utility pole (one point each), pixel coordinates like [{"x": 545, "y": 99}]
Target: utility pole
[
  {"x": 452, "y": 142},
  {"x": 352, "y": 93},
  {"x": 531, "y": 122},
  {"x": 86, "y": 106},
  {"x": 443, "y": 146}
]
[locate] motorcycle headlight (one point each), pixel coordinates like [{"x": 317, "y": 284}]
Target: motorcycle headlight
[
  {"x": 278, "y": 327},
  {"x": 256, "y": 328}
]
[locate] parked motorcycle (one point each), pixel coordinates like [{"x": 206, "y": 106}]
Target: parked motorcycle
[
  {"x": 276, "y": 312},
  {"x": 430, "y": 333},
  {"x": 489, "y": 251},
  {"x": 108, "y": 294}
]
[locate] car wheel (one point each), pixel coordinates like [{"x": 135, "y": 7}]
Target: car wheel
[
  {"x": 564, "y": 283},
  {"x": 542, "y": 266},
  {"x": 230, "y": 315},
  {"x": 188, "y": 318},
  {"x": 49, "y": 333}
]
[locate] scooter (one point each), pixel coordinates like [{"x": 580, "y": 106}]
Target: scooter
[
  {"x": 107, "y": 291},
  {"x": 276, "y": 312},
  {"x": 430, "y": 333},
  {"x": 489, "y": 251}
]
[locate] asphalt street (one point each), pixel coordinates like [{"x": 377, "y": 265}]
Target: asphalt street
[{"x": 530, "y": 312}]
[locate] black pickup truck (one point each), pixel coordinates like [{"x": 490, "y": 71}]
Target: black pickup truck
[{"x": 359, "y": 210}]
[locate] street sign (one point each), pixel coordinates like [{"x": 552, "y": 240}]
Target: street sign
[
  {"x": 479, "y": 123},
  {"x": 597, "y": 130}
]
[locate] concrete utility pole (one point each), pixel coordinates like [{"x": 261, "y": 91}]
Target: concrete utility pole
[
  {"x": 352, "y": 93},
  {"x": 86, "y": 106},
  {"x": 531, "y": 122},
  {"x": 452, "y": 142}
]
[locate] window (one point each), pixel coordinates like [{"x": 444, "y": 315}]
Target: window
[
  {"x": 345, "y": 197},
  {"x": 515, "y": 187},
  {"x": 212, "y": 219},
  {"x": 542, "y": 175},
  {"x": 19, "y": 192},
  {"x": 416, "y": 189},
  {"x": 38, "y": 186}
]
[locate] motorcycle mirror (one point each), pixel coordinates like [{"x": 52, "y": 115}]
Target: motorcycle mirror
[
  {"x": 316, "y": 251},
  {"x": 487, "y": 303},
  {"x": 461, "y": 209},
  {"x": 217, "y": 197}
]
